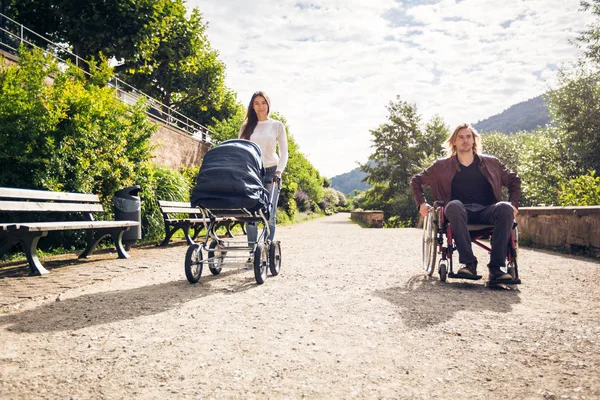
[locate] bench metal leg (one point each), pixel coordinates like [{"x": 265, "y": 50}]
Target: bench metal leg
[
  {"x": 95, "y": 238},
  {"x": 6, "y": 245},
  {"x": 168, "y": 233},
  {"x": 30, "y": 243},
  {"x": 92, "y": 241},
  {"x": 117, "y": 237}
]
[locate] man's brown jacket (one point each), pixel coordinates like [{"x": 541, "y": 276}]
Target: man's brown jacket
[{"x": 440, "y": 174}]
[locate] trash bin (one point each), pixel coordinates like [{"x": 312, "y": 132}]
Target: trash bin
[{"x": 128, "y": 207}]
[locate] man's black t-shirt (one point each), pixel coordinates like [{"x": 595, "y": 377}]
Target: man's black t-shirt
[{"x": 471, "y": 187}]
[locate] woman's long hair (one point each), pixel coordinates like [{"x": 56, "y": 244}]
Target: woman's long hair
[
  {"x": 251, "y": 117},
  {"x": 451, "y": 150}
]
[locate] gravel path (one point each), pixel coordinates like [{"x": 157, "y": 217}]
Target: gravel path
[{"x": 350, "y": 316}]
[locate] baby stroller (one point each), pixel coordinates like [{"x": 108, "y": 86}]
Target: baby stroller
[{"x": 229, "y": 188}]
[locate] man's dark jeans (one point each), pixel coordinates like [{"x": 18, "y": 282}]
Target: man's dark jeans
[{"x": 500, "y": 215}]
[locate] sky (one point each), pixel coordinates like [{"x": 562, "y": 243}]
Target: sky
[{"x": 331, "y": 67}]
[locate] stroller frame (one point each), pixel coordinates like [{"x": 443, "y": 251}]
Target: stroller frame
[{"x": 264, "y": 253}]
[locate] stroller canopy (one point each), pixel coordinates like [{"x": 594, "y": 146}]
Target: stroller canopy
[{"x": 231, "y": 177}]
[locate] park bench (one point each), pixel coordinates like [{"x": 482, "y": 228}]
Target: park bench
[
  {"x": 181, "y": 215},
  {"x": 80, "y": 205}
]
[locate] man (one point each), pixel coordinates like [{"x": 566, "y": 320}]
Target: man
[{"x": 470, "y": 185}]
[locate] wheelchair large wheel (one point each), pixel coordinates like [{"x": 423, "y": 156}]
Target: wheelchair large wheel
[
  {"x": 193, "y": 263},
  {"x": 260, "y": 263},
  {"x": 215, "y": 257},
  {"x": 275, "y": 258},
  {"x": 511, "y": 267},
  {"x": 429, "y": 243}
]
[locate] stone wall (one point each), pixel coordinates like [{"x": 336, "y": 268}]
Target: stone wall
[
  {"x": 176, "y": 148},
  {"x": 373, "y": 218},
  {"x": 561, "y": 227},
  {"x": 9, "y": 59}
]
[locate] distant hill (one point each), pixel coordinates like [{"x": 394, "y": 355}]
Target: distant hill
[
  {"x": 525, "y": 116},
  {"x": 350, "y": 181}
]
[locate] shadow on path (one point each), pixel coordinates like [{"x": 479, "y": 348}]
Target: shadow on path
[
  {"x": 106, "y": 307},
  {"x": 425, "y": 301}
]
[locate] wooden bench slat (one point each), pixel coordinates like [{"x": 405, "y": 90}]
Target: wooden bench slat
[
  {"x": 69, "y": 225},
  {"x": 49, "y": 207},
  {"x": 174, "y": 220},
  {"x": 13, "y": 193},
  {"x": 179, "y": 210},
  {"x": 165, "y": 203}
]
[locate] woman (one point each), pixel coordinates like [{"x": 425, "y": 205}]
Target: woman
[{"x": 267, "y": 134}]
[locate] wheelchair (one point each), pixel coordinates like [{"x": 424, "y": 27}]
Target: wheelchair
[{"x": 437, "y": 239}]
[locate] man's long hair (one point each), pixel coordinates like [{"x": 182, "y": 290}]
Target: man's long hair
[
  {"x": 451, "y": 148},
  {"x": 251, "y": 118}
]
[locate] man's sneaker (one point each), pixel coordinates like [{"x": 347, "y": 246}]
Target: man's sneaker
[
  {"x": 496, "y": 274},
  {"x": 468, "y": 269}
]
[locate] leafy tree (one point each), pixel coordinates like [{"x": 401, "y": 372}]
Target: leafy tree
[
  {"x": 575, "y": 108},
  {"x": 400, "y": 145},
  {"x": 228, "y": 128},
  {"x": 175, "y": 63},
  {"x": 590, "y": 40},
  {"x": 538, "y": 158},
  {"x": 112, "y": 27},
  {"x": 332, "y": 199},
  {"x": 503, "y": 146}
]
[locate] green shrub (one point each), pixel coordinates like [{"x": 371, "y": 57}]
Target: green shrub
[
  {"x": 190, "y": 174},
  {"x": 583, "y": 190},
  {"x": 291, "y": 208},
  {"x": 163, "y": 183}
]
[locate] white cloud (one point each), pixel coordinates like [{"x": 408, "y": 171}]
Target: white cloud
[{"x": 332, "y": 66}]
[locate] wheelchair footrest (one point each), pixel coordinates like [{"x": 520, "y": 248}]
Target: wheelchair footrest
[
  {"x": 505, "y": 282},
  {"x": 464, "y": 276}
]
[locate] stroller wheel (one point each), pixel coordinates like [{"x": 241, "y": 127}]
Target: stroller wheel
[
  {"x": 215, "y": 257},
  {"x": 193, "y": 263},
  {"x": 275, "y": 257},
  {"x": 260, "y": 263}
]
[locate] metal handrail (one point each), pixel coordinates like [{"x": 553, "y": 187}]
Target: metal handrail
[{"x": 124, "y": 91}]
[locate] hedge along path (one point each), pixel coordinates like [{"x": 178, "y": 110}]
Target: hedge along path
[{"x": 350, "y": 316}]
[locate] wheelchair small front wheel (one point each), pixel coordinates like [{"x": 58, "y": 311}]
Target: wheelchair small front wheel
[
  {"x": 193, "y": 263},
  {"x": 443, "y": 270}
]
